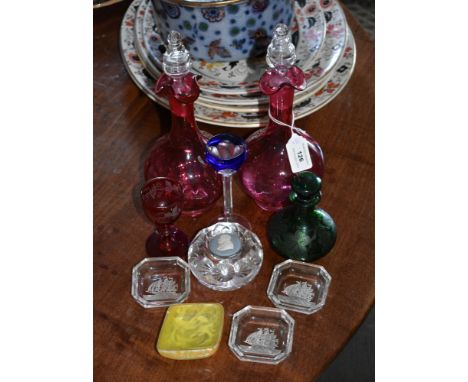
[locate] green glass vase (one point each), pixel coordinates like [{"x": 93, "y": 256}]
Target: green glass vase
[{"x": 302, "y": 231}]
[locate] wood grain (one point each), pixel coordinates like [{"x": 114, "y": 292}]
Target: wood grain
[{"x": 126, "y": 123}]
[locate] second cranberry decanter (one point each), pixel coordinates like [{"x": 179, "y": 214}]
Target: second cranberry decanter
[
  {"x": 279, "y": 150},
  {"x": 179, "y": 154}
]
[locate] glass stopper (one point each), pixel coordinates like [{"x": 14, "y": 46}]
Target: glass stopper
[
  {"x": 306, "y": 188},
  {"x": 176, "y": 59},
  {"x": 281, "y": 53}
]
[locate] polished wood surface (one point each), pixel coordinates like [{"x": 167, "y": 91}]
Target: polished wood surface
[{"x": 126, "y": 123}]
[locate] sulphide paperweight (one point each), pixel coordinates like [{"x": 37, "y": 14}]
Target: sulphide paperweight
[
  {"x": 299, "y": 286},
  {"x": 226, "y": 255},
  {"x": 261, "y": 334},
  {"x": 160, "y": 281}
]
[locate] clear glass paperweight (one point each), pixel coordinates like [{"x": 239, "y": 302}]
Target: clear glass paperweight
[
  {"x": 191, "y": 331},
  {"x": 299, "y": 286},
  {"x": 225, "y": 256},
  {"x": 261, "y": 334},
  {"x": 160, "y": 281}
]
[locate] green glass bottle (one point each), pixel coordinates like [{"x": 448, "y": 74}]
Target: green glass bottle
[{"x": 302, "y": 231}]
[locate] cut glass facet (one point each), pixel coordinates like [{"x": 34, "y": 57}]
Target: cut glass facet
[{"x": 299, "y": 286}]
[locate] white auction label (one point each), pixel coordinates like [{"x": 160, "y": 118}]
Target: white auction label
[{"x": 298, "y": 153}]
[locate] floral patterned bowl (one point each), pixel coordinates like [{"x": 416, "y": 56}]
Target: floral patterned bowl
[{"x": 223, "y": 30}]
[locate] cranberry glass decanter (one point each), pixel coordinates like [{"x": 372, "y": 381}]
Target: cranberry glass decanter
[
  {"x": 162, "y": 203},
  {"x": 267, "y": 172},
  {"x": 180, "y": 153}
]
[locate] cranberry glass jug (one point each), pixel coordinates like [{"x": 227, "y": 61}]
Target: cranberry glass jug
[
  {"x": 179, "y": 155},
  {"x": 267, "y": 172}
]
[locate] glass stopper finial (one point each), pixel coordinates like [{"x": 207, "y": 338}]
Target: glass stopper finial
[
  {"x": 306, "y": 188},
  {"x": 176, "y": 59},
  {"x": 281, "y": 52}
]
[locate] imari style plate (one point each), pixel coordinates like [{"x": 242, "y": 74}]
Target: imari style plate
[{"x": 206, "y": 112}]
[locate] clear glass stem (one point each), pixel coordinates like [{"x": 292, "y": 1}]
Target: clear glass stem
[{"x": 227, "y": 191}]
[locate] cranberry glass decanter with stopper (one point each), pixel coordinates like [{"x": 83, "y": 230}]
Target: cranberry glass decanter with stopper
[
  {"x": 179, "y": 155},
  {"x": 279, "y": 150}
]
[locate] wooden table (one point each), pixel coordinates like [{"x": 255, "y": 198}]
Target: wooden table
[{"x": 126, "y": 123}]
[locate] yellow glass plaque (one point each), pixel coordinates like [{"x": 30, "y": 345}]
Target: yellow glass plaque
[{"x": 191, "y": 331}]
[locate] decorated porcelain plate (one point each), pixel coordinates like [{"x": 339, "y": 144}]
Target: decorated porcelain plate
[
  {"x": 319, "y": 46},
  {"x": 141, "y": 44},
  {"x": 259, "y": 107},
  {"x": 254, "y": 100},
  {"x": 207, "y": 114}
]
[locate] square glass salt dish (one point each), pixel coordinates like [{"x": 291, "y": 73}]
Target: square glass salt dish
[
  {"x": 191, "y": 331},
  {"x": 299, "y": 286},
  {"x": 160, "y": 281},
  {"x": 261, "y": 334}
]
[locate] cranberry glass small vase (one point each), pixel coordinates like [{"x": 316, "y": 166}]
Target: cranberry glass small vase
[
  {"x": 179, "y": 155},
  {"x": 162, "y": 200},
  {"x": 267, "y": 173}
]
